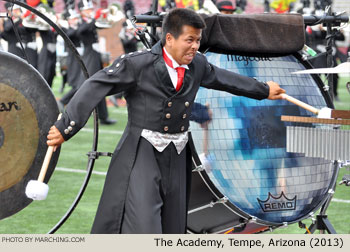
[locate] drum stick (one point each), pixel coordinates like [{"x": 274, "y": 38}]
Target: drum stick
[
  {"x": 300, "y": 104},
  {"x": 46, "y": 163},
  {"x": 47, "y": 159}
]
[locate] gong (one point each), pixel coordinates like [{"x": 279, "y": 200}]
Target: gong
[{"x": 28, "y": 109}]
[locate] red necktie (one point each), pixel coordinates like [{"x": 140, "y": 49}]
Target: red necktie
[{"x": 180, "y": 71}]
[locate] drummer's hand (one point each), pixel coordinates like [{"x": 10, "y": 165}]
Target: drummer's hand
[
  {"x": 275, "y": 91},
  {"x": 54, "y": 138}
]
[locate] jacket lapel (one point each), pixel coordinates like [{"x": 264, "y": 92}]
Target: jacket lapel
[
  {"x": 163, "y": 75},
  {"x": 188, "y": 80}
]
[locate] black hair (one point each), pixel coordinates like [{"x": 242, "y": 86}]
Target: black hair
[{"x": 179, "y": 17}]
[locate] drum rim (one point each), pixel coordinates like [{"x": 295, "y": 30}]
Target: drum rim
[{"x": 248, "y": 217}]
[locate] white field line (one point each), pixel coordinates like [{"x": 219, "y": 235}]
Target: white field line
[
  {"x": 118, "y": 132},
  {"x": 123, "y": 112},
  {"x": 79, "y": 171},
  {"x": 104, "y": 174},
  {"x": 341, "y": 201}
]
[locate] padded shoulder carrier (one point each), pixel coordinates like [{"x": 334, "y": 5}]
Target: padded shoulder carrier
[{"x": 255, "y": 33}]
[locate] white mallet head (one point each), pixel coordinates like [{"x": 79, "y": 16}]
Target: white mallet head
[
  {"x": 37, "y": 190},
  {"x": 325, "y": 113}
]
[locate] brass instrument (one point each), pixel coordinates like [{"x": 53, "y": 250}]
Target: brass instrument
[
  {"x": 208, "y": 8},
  {"x": 30, "y": 21},
  {"x": 110, "y": 16},
  {"x": 33, "y": 21},
  {"x": 49, "y": 13}
]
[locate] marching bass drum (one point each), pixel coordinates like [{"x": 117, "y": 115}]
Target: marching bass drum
[
  {"x": 250, "y": 184},
  {"x": 27, "y": 111}
]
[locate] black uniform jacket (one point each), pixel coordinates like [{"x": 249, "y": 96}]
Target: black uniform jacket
[
  {"x": 10, "y": 36},
  {"x": 87, "y": 33},
  {"x": 47, "y": 56},
  {"x": 74, "y": 73},
  {"x": 150, "y": 95},
  {"x": 27, "y": 35}
]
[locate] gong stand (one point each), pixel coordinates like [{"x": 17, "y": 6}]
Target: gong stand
[{"x": 93, "y": 154}]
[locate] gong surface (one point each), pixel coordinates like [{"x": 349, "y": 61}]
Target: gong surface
[
  {"x": 27, "y": 111},
  {"x": 16, "y": 136}
]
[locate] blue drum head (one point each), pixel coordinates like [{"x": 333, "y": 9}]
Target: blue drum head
[{"x": 246, "y": 158}]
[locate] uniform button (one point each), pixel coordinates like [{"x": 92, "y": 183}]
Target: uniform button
[
  {"x": 111, "y": 71},
  {"x": 170, "y": 104},
  {"x": 66, "y": 131},
  {"x": 182, "y": 128},
  {"x": 184, "y": 116},
  {"x": 168, "y": 115},
  {"x": 72, "y": 123},
  {"x": 187, "y": 104},
  {"x": 118, "y": 64},
  {"x": 166, "y": 128},
  {"x": 70, "y": 128}
]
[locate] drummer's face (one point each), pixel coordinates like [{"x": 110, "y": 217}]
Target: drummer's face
[{"x": 184, "y": 48}]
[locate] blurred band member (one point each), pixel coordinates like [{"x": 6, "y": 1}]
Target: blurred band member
[
  {"x": 74, "y": 71},
  {"x": 226, "y": 7},
  {"x": 29, "y": 35},
  {"x": 9, "y": 33},
  {"x": 47, "y": 55},
  {"x": 87, "y": 33}
]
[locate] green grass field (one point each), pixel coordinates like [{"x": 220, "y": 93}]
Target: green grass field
[{"x": 40, "y": 216}]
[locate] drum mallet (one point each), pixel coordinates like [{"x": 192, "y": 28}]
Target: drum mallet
[
  {"x": 37, "y": 189},
  {"x": 321, "y": 113}
]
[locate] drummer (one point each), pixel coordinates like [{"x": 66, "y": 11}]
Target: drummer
[{"x": 147, "y": 185}]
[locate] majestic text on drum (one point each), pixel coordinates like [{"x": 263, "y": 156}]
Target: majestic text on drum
[{"x": 247, "y": 59}]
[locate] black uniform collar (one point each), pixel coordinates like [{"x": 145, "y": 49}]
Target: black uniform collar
[
  {"x": 157, "y": 48},
  {"x": 161, "y": 69}
]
